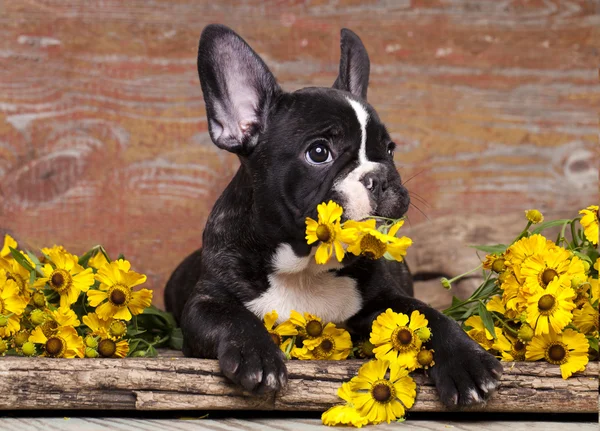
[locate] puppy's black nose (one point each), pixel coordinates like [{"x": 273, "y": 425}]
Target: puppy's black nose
[{"x": 375, "y": 182}]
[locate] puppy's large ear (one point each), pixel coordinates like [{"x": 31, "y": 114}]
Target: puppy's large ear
[
  {"x": 354, "y": 65},
  {"x": 238, "y": 89}
]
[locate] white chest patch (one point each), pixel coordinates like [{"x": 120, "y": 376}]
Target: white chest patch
[{"x": 299, "y": 284}]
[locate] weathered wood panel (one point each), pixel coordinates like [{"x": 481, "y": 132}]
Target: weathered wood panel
[
  {"x": 103, "y": 134},
  {"x": 196, "y": 384}
]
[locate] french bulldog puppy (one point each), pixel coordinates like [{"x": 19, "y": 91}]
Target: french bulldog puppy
[{"x": 297, "y": 150}]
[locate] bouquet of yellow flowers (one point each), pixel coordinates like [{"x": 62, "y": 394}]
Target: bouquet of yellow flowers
[
  {"x": 63, "y": 306},
  {"x": 539, "y": 298}
]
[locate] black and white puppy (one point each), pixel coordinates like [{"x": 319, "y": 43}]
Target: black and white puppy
[{"x": 297, "y": 150}]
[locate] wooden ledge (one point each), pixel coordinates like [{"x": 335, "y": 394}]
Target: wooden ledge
[{"x": 178, "y": 383}]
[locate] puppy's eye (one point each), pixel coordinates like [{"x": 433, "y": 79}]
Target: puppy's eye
[
  {"x": 319, "y": 153},
  {"x": 390, "y": 148}
]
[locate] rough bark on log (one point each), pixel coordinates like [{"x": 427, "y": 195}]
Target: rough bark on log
[{"x": 177, "y": 383}]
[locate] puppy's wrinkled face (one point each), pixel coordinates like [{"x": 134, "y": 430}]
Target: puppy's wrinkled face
[{"x": 324, "y": 144}]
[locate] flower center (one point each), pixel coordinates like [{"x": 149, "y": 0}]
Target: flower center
[
  {"x": 314, "y": 328},
  {"x": 275, "y": 337},
  {"x": 324, "y": 233},
  {"x": 117, "y": 328},
  {"x": 498, "y": 265},
  {"x": 547, "y": 276},
  {"x": 55, "y": 347},
  {"x": 49, "y": 327},
  {"x": 60, "y": 280},
  {"x": 403, "y": 339},
  {"x": 107, "y": 348},
  {"x": 119, "y": 295},
  {"x": 383, "y": 391},
  {"x": 557, "y": 353},
  {"x": 39, "y": 299},
  {"x": 371, "y": 247},
  {"x": 546, "y": 302},
  {"x": 325, "y": 349},
  {"x": 425, "y": 358}
]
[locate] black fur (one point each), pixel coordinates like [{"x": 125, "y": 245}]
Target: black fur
[{"x": 266, "y": 204}]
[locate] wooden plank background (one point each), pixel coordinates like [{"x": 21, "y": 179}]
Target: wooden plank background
[{"x": 493, "y": 104}]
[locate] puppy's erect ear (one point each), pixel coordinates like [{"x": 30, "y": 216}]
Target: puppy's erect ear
[
  {"x": 238, "y": 89},
  {"x": 354, "y": 65}
]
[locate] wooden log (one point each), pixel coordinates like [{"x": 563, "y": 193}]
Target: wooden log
[{"x": 177, "y": 383}]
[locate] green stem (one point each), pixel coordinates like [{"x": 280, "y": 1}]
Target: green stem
[
  {"x": 574, "y": 235},
  {"x": 561, "y": 235},
  {"x": 458, "y": 277},
  {"x": 524, "y": 232}
]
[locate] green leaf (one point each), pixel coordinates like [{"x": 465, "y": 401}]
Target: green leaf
[
  {"x": 132, "y": 332},
  {"x": 133, "y": 346},
  {"x": 34, "y": 258},
  {"x": 488, "y": 289},
  {"x": 494, "y": 249},
  {"x": 549, "y": 224},
  {"x": 176, "y": 339},
  {"x": 455, "y": 301},
  {"x": 593, "y": 342},
  {"x": 32, "y": 277},
  {"x": 487, "y": 319},
  {"x": 18, "y": 256},
  {"x": 582, "y": 256},
  {"x": 167, "y": 317},
  {"x": 151, "y": 352}
]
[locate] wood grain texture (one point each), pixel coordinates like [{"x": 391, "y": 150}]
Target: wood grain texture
[
  {"x": 260, "y": 424},
  {"x": 177, "y": 383},
  {"x": 103, "y": 136}
]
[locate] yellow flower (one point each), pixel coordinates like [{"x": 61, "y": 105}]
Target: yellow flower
[
  {"x": 373, "y": 244},
  {"x": 382, "y": 399},
  {"x": 586, "y": 319},
  {"x": 14, "y": 271},
  {"x": 425, "y": 358},
  {"x": 550, "y": 308},
  {"x": 513, "y": 296},
  {"x": 98, "y": 326},
  {"x": 568, "y": 349},
  {"x": 285, "y": 329},
  {"x": 115, "y": 297},
  {"x": 328, "y": 231},
  {"x": 534, "y": 216},
  {"x": 65, "y": 343},
  {"x": 57, "y": 319},
  {"x": 334, "y": 344},
  {"x": 395, "y": 337},
  {"x": 494, "y": 262},
  {"x": 540, "y": 269},
  {"x": 345, "y": 414},
  {"x": 589, "y": 221},
  {"x": 479, "y": 333},
  {"x": 12, "y": 306},
  {"x": 510, "y": 348},
  {"x": 68, "y": 279},
  {"x": 107, "y": 346},
  {"x": 9, "y": 242},
  {"x": 525, "y": 247},
  {"x": 309, "y": 326}
]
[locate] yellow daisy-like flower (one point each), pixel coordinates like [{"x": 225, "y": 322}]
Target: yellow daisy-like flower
[
  {"x": 57, "y": 319},
  {"x": 65, "y": 343},
  {"x": 513, "y": 295},
  {"x": 568, "y": 349},
  {"x": 14, "y": 271},
  {"x": 12, "y": 306},
  {"x": 479, "y": 333},
  {"x": 334, "y": 344},
  {"x": 285, "y": 329},
  {"x": 373, "y": 244},
  {"x": 525, "y": 247},
  {"x": 540, "y": 269},
  {"x": 589, "y": 221},
  {"x": 68, "y": 278},
  {"x": 329, "y": 231},
  {"x": 115, "y": 297},
  {"x": 9, "y": 242},
  {"x": 395, "y": 337},
  {"x": 108, "y": 345},
  {"x": 550, "y": 308},
  {"x": 382, "y": 399},
  {"x": 494, "y": 262},
  {"x": 345, "y": 414},
  {"x": 309, "y": 326},
  {"x": 510, "y": 348},
  {"x": 586, "y": 319},
  {"x": 534, "y": 216}
]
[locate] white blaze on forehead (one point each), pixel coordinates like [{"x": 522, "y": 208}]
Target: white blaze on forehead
[
  {"x": 363, "y": 118},
  {"x": 357, "y": 201}
]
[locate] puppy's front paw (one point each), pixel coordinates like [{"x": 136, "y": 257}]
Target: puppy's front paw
[
  {"x": 257, "y": 367},
  {"x": 465, "y": 374}
]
